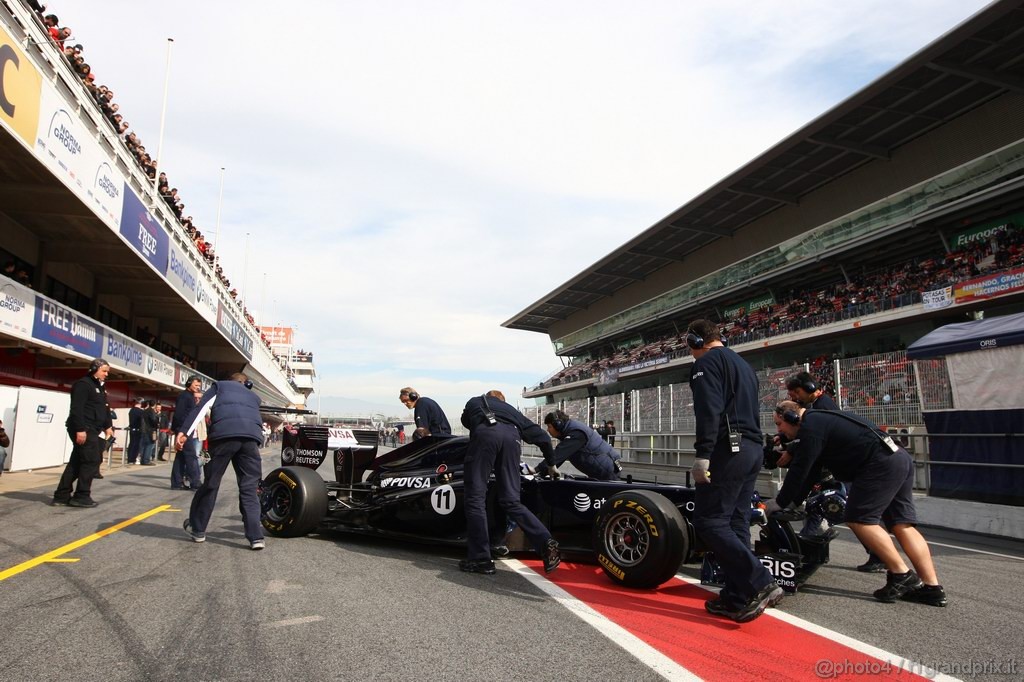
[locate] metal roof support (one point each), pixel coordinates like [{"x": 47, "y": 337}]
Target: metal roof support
[
  {"x": 872, "y": 150},
  {"x": 1000, "y": 80},
  {"x": 781, "y": 197}
]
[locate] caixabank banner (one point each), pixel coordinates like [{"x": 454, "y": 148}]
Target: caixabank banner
[
  {"x": 143, "y": 232},
  {"x": 20, "y": 85}
]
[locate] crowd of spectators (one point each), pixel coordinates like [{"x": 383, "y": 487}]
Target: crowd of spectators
[
  {"x": 18, "y": 274},
  {"x": 863, "y": 293}
]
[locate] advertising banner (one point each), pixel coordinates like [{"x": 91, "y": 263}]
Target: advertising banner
[
  {"x": 643, "y": 364},
  {"x": 939, "y": 298},
  {"x": 71, "y": 153},
  {"x": 235, "y": 332},
  {"x": 143, "y": 232},
  {"x": 20, "y": 85},
  {"x": 749, "y": 306},
  {"x": 278, "y": 336},
  {"x": 124, "y": 353},
  {"x": 188, "y": 280},
  {"x": 63, "y": 327},
  {"x": 182, "y": 374},
  {"x": 986, "y": 231},
  {"x": 17, "y": 306},
  {"x": 987, "y": 287},
  {"x": 160, "y": 368}
]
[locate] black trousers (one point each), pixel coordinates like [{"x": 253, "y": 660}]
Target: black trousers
[{"x": 82, "y": 467}]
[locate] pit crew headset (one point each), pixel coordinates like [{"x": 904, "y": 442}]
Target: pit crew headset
[{"x": 793, "y": 417}]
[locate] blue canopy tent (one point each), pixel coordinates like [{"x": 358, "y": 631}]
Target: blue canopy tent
[{"x": 971, "y": 377}]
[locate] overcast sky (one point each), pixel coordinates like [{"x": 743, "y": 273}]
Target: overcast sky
[{"x": 411, "y": 174}]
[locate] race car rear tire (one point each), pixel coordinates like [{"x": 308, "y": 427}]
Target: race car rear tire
[
  {"x": 640, "y": 538},
  {"x": 293, "y": 501}
]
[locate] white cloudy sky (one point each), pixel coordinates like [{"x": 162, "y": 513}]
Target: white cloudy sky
[{"x": 411, "y": 174}]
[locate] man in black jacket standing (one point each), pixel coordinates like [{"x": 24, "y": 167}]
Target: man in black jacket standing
[
  {"x": 135, "y": 431},
  {"x": 186, "y": 459},
  {"x": 89, "y": 417},
  {"x": 428, "y": 414},
  {"x": 235, "y": 432},
  {"x": 725, "y": 401},
  {"x": 495, "y": 429}
]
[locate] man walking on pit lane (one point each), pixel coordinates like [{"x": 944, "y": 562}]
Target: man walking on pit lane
[
  {"x": 88, "y": 419},
  {"x": 235, "y": 433}
]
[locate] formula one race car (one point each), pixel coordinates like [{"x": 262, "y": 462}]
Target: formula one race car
[{"x": 639, "y": 532}]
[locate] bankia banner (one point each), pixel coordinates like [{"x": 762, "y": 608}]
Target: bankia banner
[
  {"x": 143, "y": 232},
  {"x": 236, "y": 333},
  {"x": 63, "y": 327}
]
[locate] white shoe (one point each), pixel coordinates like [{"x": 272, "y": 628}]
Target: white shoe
[{"x": 256, "y": 545}]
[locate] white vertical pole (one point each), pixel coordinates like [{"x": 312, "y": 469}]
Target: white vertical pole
[
  {"x": 245, "y": 271},
  {"x": 216, "y": 229},
  {"x": 163, "y": 115}
]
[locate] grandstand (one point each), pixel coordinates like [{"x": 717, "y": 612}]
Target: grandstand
[{"x": 899, "y": 210}]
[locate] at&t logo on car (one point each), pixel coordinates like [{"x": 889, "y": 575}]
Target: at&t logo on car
[{"x": 582, "y": 502}]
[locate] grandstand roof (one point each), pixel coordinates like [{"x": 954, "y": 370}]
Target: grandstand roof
[{"x": 977, "y": 61}]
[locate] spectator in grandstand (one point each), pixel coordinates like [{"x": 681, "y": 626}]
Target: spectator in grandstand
[
  {"x": 89, "y": 417},
  {"x": 725, "y": 403},
  {"x": 10, "y": 269},
  {"x": 23, "y": 278},
  {"x": 882, "y": 475},
  {"x": 580, "y": 445},
  {"x": 427, "y": 413},
  {"x": 495, "y": 429}
]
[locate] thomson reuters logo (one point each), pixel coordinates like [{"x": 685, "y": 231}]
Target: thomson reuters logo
[
  {"x": 288, "y": 455},
  {"x": 581, "y": 502}
]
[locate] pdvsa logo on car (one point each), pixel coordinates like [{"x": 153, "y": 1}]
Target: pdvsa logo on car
[{"x": 406, "y": 482}]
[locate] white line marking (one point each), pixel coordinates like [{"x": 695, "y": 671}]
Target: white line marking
[
  {"x": 966, "y": 549},
  {"x": 644, "y": 652},
  {"x": 293, "y": 621},
  {"x": 855, "y": 644}
]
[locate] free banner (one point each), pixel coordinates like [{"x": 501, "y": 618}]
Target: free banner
[
  {"x": 72, "y": 154},
  {"x": 987, "y": 287},
  {"x": 235, "y": 332},
  {"x": 20, "y": 85},
  {"x": 62, "y": 327},
  {"x": 124, "y": 353},
  {"x": 17, "y": 306},
  {"x": 143, "y": 232}
]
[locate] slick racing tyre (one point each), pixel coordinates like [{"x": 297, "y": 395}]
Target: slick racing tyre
[
  {"x": 293, "y": 500},
  {"x": 640, "y": 538}
]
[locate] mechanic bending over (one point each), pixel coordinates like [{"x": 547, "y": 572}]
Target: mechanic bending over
[
  {"x": 495, "y": 429},
  {"x": 882, "y": 479},
  {"x": 582, "y": 446},
  {"x": 427, "y": 413}
]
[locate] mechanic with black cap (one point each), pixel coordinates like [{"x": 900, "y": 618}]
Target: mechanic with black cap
[
  {"x": 725, "y": 403},
  {"x": 882, "y": 475},
  {"x": 582, "y": 446},
  {"x": 430, "y": 419},
  {"x": 88, "y": 418},
  {"x": 495, "y": 429},
  {"x": 810, "y": 394}
]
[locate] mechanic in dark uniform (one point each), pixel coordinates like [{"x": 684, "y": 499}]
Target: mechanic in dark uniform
[
  {"x": 582, "y": 446},
  {"x": 809, "y": 394},
  {"x": 495, "y": 429},
  {"x": 89, "y": 417},
  {"x": 725, "y": 402},
  {"x": 882, "y": 475},
  {"x": 186, "y": 459},
  {"x": 135, "y": 431},
  {"x": 235, "y": 434},
  {"x": 428, "y": 414}
]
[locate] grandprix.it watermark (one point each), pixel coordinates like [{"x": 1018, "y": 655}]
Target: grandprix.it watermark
[{"x": 828, "y": 669}]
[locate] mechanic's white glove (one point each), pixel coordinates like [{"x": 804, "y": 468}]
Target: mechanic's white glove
[
  {"x": 553, "y": 472},
  {"x": 699, "y": 471},
  {"x": 771, "y": 507}
]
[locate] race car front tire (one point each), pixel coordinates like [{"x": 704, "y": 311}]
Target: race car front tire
[
  {"x": 640, "y": 538},
  {"x": 293, "y": 501}
]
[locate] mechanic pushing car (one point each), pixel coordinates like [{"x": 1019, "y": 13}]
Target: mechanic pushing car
[
  {"x": 429, "y": 417},
  {"x": 495, "y": 429},
  {"x": 882, "y": 476},
  {"x": 582, "y": 446}
]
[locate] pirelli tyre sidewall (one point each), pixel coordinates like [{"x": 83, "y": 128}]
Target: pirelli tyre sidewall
[
  {"x": 640, "y": 538},
  {"x": 293, "y": 501}
]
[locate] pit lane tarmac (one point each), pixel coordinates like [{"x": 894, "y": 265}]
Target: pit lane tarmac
[{"x": 144, "y": 602}]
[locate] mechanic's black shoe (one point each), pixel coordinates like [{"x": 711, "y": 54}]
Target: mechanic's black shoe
[
  {"x": 485, "y": 566},
  {"x": 770, "y": 595},
  {"x": 552, "y": 557},
  {"x": 872, "y": 566},
  {"x": 719, "y": 607},
  {"x": 932, "y": 595},
  {"x": 98, "y": 476},
  {"x": 500, "y": 551},
  {"x": 897, "y": 585},
  {"x": 196, "y": 536},
  {"x": 60, "y": 501},
  {"x": 81, "y": 502}
]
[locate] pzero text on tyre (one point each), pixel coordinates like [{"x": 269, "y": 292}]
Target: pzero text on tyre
[
  {"x": 293, "y": 500},
  {"x": 640, "y": 538}
]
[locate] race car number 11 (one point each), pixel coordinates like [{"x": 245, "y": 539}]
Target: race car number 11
[{"x": 442, "y": 499}]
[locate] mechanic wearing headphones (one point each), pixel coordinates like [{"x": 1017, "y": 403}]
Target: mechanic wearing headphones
[
  {"x": 582, "y": 446},
  {"x": 495, "y": 429},
  {"x": 725, "y": 402},
  {"x": 186, "y": 459},
  {"x": 235, "y": 434},
  {"x": 428, "y": 414},
  {"x": 882, "y": 475},
  {"x": 805, "y": 391},
  {"x": 88, "y": 419}
]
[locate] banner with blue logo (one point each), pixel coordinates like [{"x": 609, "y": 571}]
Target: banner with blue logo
[
  {"x": 143, "y": 232},
  {"x": 65, "y": 328},
  {"x": 125, "y": 353},
  {"x": 235, "y": 332}
]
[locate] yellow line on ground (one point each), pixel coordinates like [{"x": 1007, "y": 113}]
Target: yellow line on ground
[{"x": 53, "y": 555}]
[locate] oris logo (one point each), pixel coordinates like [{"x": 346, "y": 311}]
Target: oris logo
[{"x": 989, "y": 343}]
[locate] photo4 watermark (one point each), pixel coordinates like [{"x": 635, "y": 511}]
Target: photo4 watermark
[{"x": 833, "y": 669}]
